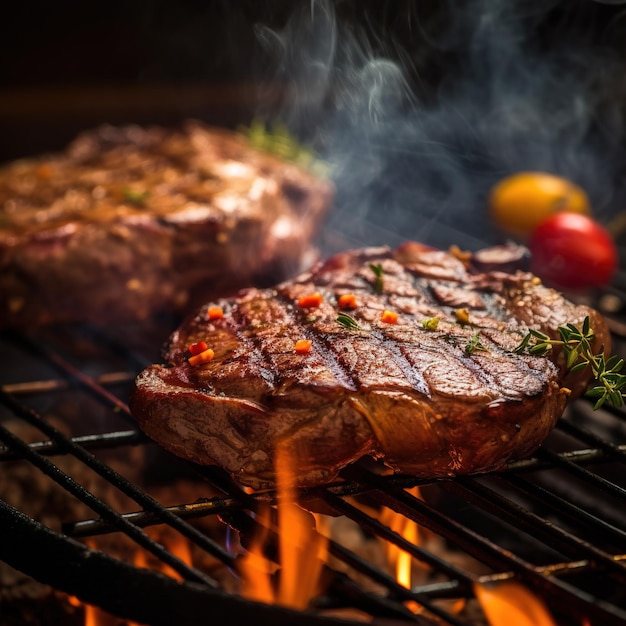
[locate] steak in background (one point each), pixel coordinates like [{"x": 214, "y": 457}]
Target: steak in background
[
  {"x": 433, "y": 399},
  {"x": 131, "y": 220}
]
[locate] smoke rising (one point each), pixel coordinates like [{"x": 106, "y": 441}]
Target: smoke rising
[{"x": 422, "y": 114}]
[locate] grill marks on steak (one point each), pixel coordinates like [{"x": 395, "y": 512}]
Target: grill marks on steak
[{"x": 420, "y": 399}]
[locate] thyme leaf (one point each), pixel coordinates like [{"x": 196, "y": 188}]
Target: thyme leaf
[
  {"x": 578, "y": 351},
  {"x": 430, "y": 323},
  {"x": 347, "y": 321},
  {"x": 474, "y": 344},
  {"x": 377, "y": 268}
]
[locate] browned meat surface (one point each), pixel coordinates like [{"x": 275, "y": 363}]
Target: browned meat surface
[
  {"x": 132, "y": 220},
  {"x": 433, "y": 402}
]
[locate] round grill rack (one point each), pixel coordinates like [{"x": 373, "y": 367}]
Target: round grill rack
[{"x": 553, "y": 522}]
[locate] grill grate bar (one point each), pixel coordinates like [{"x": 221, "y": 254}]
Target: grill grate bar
[
  {"x": 103, "y": 509},
  {"x": 462, "y": 582},
  {"x": 55, "y": 384},
  {"x": 347, "y": 593},
  {"x": 223, "y": 481},
  {"x": 426, "y": 515},
  {"x": 563, "y": 506},
  {"x": 143, "y": 519},
  {"x": 376, "y": 527},
  {"x": 388, "y": 490},
  {"x": 114, "y": 478},
  {"x": 598, "y": 481},
  {"x": 398, "y": 591},
  {"x": 564, "y": 541},
  {"x": 581, "y": 456},
  {"x": 498, "y": 558},
  {"x": 139, "y": 594},
  {"x": 106, "y": 441},
  {"x": 249, "y": 527},
  {"x": 87, "y": 382},
  {"x": 612, "y": 450},
  {"x": 343, "y": 489}
]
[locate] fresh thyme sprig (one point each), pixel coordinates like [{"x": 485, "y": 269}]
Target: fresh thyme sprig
[
  {"x": 378, "y": 273},
  {"x": 474, "y": 344},
  {"x": 578, "y": 351},
  {"x": 279, "y": 141},
  {"x": 347, "y": 321}
]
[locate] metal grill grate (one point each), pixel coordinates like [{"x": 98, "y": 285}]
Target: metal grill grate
[{"x": 554, "y": 522}]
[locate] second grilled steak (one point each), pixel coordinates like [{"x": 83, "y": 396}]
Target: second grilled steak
[
  {"x": 422, "y": 373},
  {"x": 132, "y": 220}
]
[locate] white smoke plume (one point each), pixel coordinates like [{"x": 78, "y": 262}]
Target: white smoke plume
[{"x": 418, "y": 127}]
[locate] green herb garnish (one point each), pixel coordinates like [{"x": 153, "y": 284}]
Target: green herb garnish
[
  {"x": 279, "y": 141},
  {"x": 378, "y": 281},
  {"x": 578, "y": 351},
  {"x": 136, "y": 197},
  {"x": 347, "y": 321},
  {"x": 430, "y": 323},
  {"x": 474, "y": 344}
]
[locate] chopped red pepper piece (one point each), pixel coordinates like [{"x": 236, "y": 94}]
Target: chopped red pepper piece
[
  {"x": 215, "y": 312},
  {"x": 311, "y": 300},
  {"x": 303, "y": 346},
  {"x": 196, "y": 348}
]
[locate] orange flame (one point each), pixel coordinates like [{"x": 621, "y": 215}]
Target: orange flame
[
  {"x": 409, "y": 530},
  {"x": 174, "y": 543},
  {"x": 509, "y": 602},
  {"x": 254, "y": 568},
  {"x": 302, "y": 550}
]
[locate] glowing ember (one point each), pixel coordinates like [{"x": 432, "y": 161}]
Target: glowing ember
[
  {"x": 302, "y": 550},
  {"x": 509, "y": 603}
]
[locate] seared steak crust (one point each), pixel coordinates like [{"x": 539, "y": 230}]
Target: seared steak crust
[
  {"x": 438, "y": 401},
  {"x": 131, "y": 220}
]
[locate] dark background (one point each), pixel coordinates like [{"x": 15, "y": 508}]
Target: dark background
[
  {"x": 68, "y": 65},
  {"x": 423, "y": 104}
]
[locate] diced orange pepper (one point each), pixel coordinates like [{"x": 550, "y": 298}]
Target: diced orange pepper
[
  {"x": 347, "y": 301},
  {"x": 309, "y": 301},
  {"x": 197, "y": 348},
  {"x": 202, "y": 357},
  {"x": 215, "y": 312},
  {"x": 389, "y": 317},
  {"x": 303, "y": 346}
]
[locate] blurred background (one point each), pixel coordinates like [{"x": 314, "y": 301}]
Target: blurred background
[{"x": 420, "y": 106}]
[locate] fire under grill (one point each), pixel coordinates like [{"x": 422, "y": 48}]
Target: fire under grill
[{"x": 554, "y": 523}]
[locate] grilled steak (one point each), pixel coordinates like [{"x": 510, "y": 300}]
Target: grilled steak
[
  {"x": 436, "y": 392},
  {"x": 131, "y": 220}
]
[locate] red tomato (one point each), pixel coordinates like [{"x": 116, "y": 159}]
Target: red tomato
[{"x": 572, "y": 251}]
